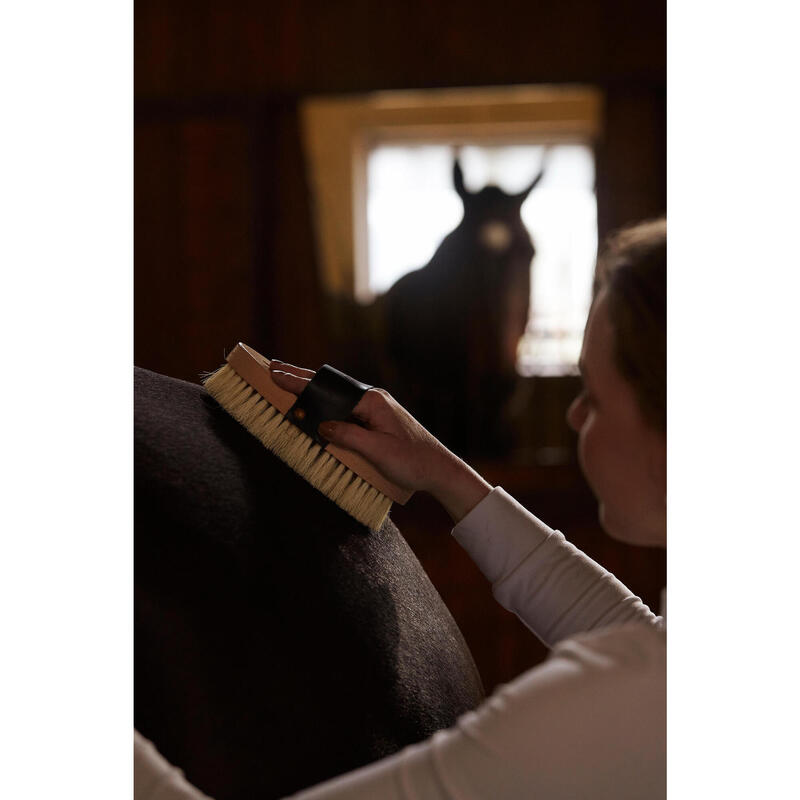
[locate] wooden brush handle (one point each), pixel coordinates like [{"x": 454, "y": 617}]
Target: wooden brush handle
[{"x": 254, "y": 368}]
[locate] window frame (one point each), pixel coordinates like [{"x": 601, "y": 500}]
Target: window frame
[{"x": 339, "y": 132}]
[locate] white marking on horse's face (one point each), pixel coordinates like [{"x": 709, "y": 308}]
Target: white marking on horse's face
[{"x": 495, "y": 235}]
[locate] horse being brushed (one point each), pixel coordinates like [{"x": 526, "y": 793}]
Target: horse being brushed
[{"x": 277, "y": 642}]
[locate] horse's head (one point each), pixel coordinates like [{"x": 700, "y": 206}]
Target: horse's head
[{"x": 493, "y": 215}]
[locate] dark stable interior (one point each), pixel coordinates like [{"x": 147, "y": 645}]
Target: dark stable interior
[{"x": 225, "y": 252}]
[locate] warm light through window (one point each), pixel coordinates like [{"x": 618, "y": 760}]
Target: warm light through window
[{"x": 412, "y": 205}]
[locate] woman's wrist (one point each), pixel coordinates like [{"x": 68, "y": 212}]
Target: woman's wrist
[{"x": 457, "y": 487}]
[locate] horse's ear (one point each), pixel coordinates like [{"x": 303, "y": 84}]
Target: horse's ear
[
  {"x": 525, "y": 192},
  {"x": 458, "y": 180},
  {"x": 535, "y": 182}
]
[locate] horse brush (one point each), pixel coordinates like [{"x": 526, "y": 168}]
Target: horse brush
[{"x": 286, "y": 424}]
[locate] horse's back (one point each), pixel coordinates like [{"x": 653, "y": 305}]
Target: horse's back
[{"x": 277, "y": 641}]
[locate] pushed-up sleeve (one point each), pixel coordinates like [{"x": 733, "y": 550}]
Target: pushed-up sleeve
[{"x": 554, "y": 588}]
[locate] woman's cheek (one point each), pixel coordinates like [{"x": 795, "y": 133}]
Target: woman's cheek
[
  {"x": 592, "y": 456},
  {"x": 585, "y": 451}
]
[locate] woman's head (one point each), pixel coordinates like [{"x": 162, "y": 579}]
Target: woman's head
[{"x": 621, "y": 414}]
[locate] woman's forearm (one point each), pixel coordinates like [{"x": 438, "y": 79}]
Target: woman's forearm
[{"x": 458, "y": 487}]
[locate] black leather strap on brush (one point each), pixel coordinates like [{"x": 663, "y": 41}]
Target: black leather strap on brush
[{"x": 329, "y": 395}]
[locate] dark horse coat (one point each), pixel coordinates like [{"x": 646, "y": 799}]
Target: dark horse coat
[{"x": 277, "y": 641}]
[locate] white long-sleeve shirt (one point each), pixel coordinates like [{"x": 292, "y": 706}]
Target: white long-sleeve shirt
[
  {"x": 154, "y": 778},
  {"x": 590, "y": 722}
]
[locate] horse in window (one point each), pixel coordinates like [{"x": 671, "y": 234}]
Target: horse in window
[{"x": 452, "y": 327}]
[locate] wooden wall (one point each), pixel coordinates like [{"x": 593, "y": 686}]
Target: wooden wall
[{"x": 223, "y": 235}]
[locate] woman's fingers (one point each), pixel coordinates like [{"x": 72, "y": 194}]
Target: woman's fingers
[
  {"x": 277, "y": 364},
  {"x": 351, "y": 437},
  {"x": 288, "y": 381},
  {"x": 381, "y": 449},
  {"x": 289, "y": 377}
]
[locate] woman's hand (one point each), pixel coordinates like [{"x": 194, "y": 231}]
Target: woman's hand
[{"x": 399, "y": 447}]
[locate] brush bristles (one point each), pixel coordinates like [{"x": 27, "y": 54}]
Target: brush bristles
[{"x": 349, "y": 491}]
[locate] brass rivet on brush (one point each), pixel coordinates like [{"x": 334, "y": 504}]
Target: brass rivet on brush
[{"x": 299, "y": 413}]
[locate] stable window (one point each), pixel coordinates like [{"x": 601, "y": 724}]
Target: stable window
[{"x": 381, "y": 170}]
